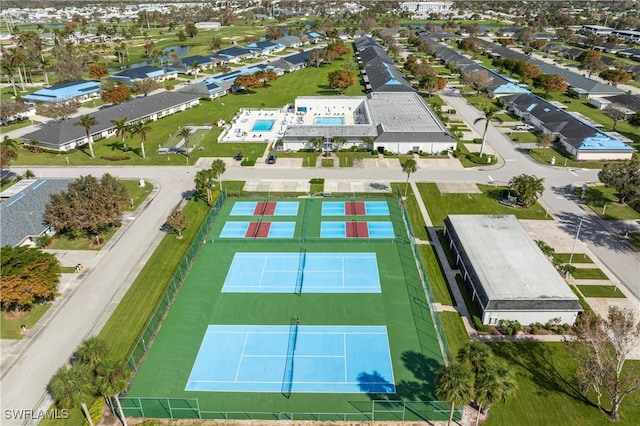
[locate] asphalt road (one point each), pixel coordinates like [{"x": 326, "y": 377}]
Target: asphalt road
[{"x": 23, "y": 385}]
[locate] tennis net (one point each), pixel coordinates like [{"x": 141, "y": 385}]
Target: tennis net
[
  {"x": 301, "y": 263},
  {"x": 287, "y": 378}
]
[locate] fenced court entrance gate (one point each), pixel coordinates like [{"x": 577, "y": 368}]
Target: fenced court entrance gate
[{"x": 189, "y": 408}]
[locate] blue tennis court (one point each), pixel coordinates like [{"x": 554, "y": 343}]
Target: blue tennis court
[
  {"x": 258, "y": 229},
  {"x": 278, "y": 208},
  {"x": 299, "y": 272},
  {"x": 356, "y": 230},
  {"x": 351, "y": 208},
  {"x": 304, "y": 358}
]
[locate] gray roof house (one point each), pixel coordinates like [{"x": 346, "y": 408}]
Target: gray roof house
[
  {"x": 64, "y": 135},
  {"x": 133, "y": 75},
  {"x": 21, "y": 215},
  {"x": 578, "y": 138}
]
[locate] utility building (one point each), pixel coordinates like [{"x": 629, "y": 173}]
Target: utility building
[{"x": 506, "y": 273}]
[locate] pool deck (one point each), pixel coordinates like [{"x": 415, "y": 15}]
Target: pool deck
[{"x": 241, "y": 126}]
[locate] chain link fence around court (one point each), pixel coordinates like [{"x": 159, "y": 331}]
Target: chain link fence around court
[
  {"x": 155, "y": 321},
  {"x": 364, "y": 411},
  {"x": 440, "y": 334}
]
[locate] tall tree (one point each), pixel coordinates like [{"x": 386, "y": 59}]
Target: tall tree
[
  {"x": 87, "y": 122},
  {"x": 72, "y": 387},
  {"x": 591, "y": 61},
  {"x": 341, "y": 80},
  {"x": 218, "y": 168},
  {"x": 495, "y": 383},
  {"x": 409, "y": 166},
  {"x": 29, "y": 275},
  {"x": 195, "y": 67},
  {"x": 634, "y": 119},
  {"x": 527, "y": 188},
  {"x": 111, "y": 379},
  {"x": 489, "y": 114},
  {"x": 141, "y": 129},
  {"x": 454, "y": 384},
  {"x": 204, "y": 183},
  {"x": 544, "y": 140},
  {"x": 602, "y": 347},
  {"x": 121, "y": 130},
  {"x": 8, "y": 151},
  {"x": 87, "y": 206},
  {"x": 92, "y": 351},
  {"x": 185, "y": 132},
  {"x": 623, "y": 177},
  {"x": 616, "y": 77},
  {"x": 177, "y": 221},
  {"x": 615, "y": 112},
  {"x": 550, "y": 83}
]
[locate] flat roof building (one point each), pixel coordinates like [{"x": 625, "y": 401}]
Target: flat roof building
[{"x": 507, "y": 275}]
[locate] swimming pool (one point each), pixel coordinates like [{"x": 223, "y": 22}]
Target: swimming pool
[
  {"x": 329, "y": 121},
  {"x": 263, "y": 125}
]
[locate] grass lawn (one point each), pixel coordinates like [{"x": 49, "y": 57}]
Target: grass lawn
[
  {"x": 137, "y": 193},
  {"x": 310, "y": 81},
  {"x": 601, "y": 291},
  {"x": 81, "y": 243},
  {"x": 544, "y": 156},
  {"x": 415, "y": 217},
  {"x": 597, "y": 197},
  {"x": 457, "y": 336},
  {"x": 472, "y": 159},
  {"x": 523, "y": 137},
  {"x": 589, "y": 274},
  {"x": 506, "y": 118},
  {"x": 326, "y": 162},
  {"x": 10, "y": 327},
  {"x": 577, "y": 258},
  {"x": 17, "y": 125},
  {"x": 346, "y": 158},
  {"x": 437, "y": 281},
  {"x": 634, "y": 239},
  {"x": 546, "y": 393},
  {"x": 440, "y": 205},
  {"x": 447, "y": 251}
]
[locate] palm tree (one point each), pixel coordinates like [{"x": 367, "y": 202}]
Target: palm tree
[
  {"x": 409, "y": 166},
  {"x": 71, "y": 386},
  {"x": 494, "y": 383},
  {"x": 139, "y": 128},
  {"x": 454, "y": 384},
  {"x": 87, "y": 122},
  {"x": 111, "y": 379},
  {"x": 121, "y": 129},
  {"x": 489, "y": 114},
  {"x": 195, "y": 67},
  {"x": 44, "y": 64},
  {"x": 527, "y": 188},
  {"x": 218, "y": 168},
  {"x": 92, "y": 351},
  {"x": 8, "y": 151},
  {"x": 204, "y": 181},
  {"x": 475, "y": 354},
  {"x": 185, "y": 133}
]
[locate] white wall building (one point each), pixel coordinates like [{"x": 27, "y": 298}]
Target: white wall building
[{"x": 422, "y": 9}]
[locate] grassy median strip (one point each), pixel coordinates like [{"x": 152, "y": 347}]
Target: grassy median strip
[
  {"x": 126, "y": 323},
  {"x": 589, "y": 274},
  {"x": 601, "y": 291}
]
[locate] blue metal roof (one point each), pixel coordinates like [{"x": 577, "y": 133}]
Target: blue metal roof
[
  {"x": 64, "y": 91},
  {"x": 601, "y": 141}
]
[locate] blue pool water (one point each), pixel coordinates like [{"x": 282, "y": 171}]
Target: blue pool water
[
  {"x": 329, "y": 121},
  {"x": 263, "y": 125}
]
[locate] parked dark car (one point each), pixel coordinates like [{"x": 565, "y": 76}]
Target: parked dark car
[
  {"x": 271, "y": 159},
  {"x": 239, "y": 156}
]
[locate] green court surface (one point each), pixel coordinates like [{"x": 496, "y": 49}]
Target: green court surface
[{"x": 401, "y": 307}]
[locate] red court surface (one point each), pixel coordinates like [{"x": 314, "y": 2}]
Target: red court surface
[
  {"x": 258, "y": 230},
  {"x": 354, "y": 208},
  {"x": 265, "y": 208},
  {"x": 357, "y": 230}
]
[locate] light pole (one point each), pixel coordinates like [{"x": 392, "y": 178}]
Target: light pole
[{"x": 576, "y": 240}]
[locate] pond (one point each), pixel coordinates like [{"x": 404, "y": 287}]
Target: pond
[{"x": 181, "y": 51}]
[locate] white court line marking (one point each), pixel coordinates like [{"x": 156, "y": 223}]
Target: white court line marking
[
  {"x": 343, "y": 283},
  {"x": 345, "y": 357},
  {"x": 244, "y": 344},
  {"x": 264, "y": 265}
]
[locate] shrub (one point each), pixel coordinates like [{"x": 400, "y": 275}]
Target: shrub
[
  {"x": 477, "y": 140},
  {"x": 43, "y": 241},
  {"x": 115, "y": 157},
  {"x": 510, "y": 327},
  {"x": 548, "y": 326},
  {"x": 169, "y": 87},
  {"x": 150, "y": 422},
  {"x": 534, "y": 330},
  {"x": 95, "y": 411},
  {"x": 485, "y": 328}
]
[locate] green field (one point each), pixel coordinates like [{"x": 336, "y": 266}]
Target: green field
[
  {"x": 605, "y": 203},
  {"x": 601, "y": 291},
  {"x": 440, "y": 205},
  {"x": 401, "y": 307},
  {"x": 10, "y": 326},
  {"x": 589, "y": 274}
]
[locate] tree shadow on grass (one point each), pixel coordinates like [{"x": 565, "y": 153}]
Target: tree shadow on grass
[{"x": 537, "y": 359}]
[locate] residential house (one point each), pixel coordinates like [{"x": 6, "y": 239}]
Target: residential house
[
  {"x": 79, "y": 90},
  {"x": 133, "y": 75}
]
